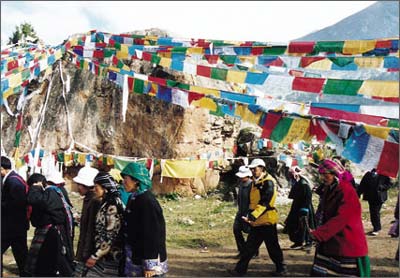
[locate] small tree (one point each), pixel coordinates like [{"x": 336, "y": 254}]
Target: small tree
[{"x": 23, "y": 33}]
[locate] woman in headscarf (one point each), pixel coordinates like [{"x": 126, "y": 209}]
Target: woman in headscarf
[
  {"x": 342, "y": 248},
  {"x": 144, "y": 226},
  {"x": 51, "y": 251},
  {"x": 105, "y": 258},
  {"x": 302, "y": 211}
]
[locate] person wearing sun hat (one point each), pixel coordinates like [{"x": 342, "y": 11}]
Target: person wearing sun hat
[
  {"x": 239, "y": 225},
  {"x": 144, "y": 226},
  {"x": 342, "y": 248},
  {"x": 90, "y": 207},
  {"x": 262, "y": 217}
]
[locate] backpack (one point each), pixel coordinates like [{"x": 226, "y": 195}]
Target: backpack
[{"x": 29, "y": 207}]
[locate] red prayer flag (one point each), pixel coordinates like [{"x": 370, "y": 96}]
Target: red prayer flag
[
  {"x": 257, "y": 50},
  {"x": 383, "y": 44},
  {"x": 348, "y": 116},
  {"x": 158, "y": 80},
  {"x": 19, "y": 123},
  {"x": 194, "y": 96},
  {"x": 130, "y": 83},
  {"x": 12, "y": 65},
  {"x": 212, "y": 59},
  {"x": 203, "y": 71},
  {"x": 308, "y": 84},
  {"x": 98, "y": 54},
  {"x": 301, "y": 47},
  {"x": 305, "y": 61},
  {"x": 388, "y": 164},
  {"x": 271, "y": 121},
  {"x": 146, "y": 56}
]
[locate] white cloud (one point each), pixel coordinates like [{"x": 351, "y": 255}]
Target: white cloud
[{"x": 237, "y": 20}]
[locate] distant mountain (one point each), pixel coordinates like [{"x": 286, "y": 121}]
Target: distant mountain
[{"x": 380, "y": 20}]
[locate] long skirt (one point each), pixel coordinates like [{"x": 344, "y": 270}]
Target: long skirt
[{"x": 330, "y": 266}]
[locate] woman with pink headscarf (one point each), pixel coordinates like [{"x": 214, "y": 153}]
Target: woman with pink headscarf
[{"x": 342, "y": 248}]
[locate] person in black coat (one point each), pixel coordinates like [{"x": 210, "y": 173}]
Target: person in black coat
[
  {"x": 14, "y": 210},
  {"x": 144, "y": 226},
  {"x": 51, "y": 251},
  {"x": 374, "y": 187},
  {"x": 300, "y": 209}
]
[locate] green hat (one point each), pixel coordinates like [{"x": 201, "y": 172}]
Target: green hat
[{"x": 139, "y": 172}]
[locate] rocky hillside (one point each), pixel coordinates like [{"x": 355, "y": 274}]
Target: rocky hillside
[
  {"x": 153, "y": 128},
  {"x": 380, "y": 20}
]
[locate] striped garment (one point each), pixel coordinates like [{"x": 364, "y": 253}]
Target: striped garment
[
  {"x": 331, "y": 266},
  {"x": 36, "y": 245}
]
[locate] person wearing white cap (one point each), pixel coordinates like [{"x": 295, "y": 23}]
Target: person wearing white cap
[
  {"x": 243, "y": 199},
  {"x": 90, "y": 207},
  {"x": 263, "y": 218}
]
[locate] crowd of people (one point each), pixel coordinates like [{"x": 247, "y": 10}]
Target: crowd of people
[
  {"x": 114, "y": 238},
  {"x": 335, "y": 228},
  {"x": 122, "y": 230}
]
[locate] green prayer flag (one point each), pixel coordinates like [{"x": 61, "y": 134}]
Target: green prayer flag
[
  {"x": 172, "y": 83},
  {"x": 138, "y": 86},
  {"x": 155, "y": 59},
  {"x": 229, "y": 59},
  {"x": 393, "y": 123},
  {"x": 342, "y": 61},
  {"x": 281, "y": 129},
  {"x": 184, "y": 86},
  {"x": 219, "y": 74},
  {"x": 108, "y": 52},
  {"x": 60, "y": 157},
  {"x": 218, "y": 112},
  {"x": 117, "y": 46},
  {"x": 17, "y": 138},
  {"x": 275, "y": 50},
  {"x": 179, "y": 49},
  {"x": 342, "y": 87},
  {"x": 329, "y": 46}
]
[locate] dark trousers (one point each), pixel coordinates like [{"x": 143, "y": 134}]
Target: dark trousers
[
  {"x": 375, "y": 215},
  {"x": 19, "y": 248},
  {"x": 257, "y": 235},
  {"x": 238, "y": 233}
]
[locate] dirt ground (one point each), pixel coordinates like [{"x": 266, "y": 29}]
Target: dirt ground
[{"x": 214, "y": 262}]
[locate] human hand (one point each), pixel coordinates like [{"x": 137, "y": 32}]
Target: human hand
[
  {"x": 247, "y": 220},
  {"x": 90, "y": 262},
  {"x": 149, "y": 273}
]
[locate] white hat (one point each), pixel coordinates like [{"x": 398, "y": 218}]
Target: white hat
[
  {"x": 86, "y": 176},
  {"x": 55, "y": 177},
  {"x": 244, "y": 171},
  {"x": 257, "y": 162}
]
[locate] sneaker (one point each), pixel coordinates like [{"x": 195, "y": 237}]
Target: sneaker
[
  {"x": 234, "y": 273},
  {"x": 373, "y": 233},
  {"x": 307, "y": 246},
  {"x": 296, "y": 246}
]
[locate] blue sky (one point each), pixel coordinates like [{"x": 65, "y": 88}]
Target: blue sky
[{"x": 272, "y": 21}]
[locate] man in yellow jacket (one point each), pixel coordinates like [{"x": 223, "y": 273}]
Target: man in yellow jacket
[{"x": 263, "y": 218}]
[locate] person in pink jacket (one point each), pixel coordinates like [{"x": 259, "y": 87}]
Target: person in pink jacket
[{"x": 342, "y": 248}]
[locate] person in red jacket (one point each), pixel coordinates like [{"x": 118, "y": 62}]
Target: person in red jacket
[{"x": 342, "y": 248}]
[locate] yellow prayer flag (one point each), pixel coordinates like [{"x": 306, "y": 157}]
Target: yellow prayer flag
[
  {"x": 8, "y": 93},
  {"x": 358, "y": 46},
  {"x": 236, "y": 76},
  {"x": 299, "y": 130},
  {"x": 81, "y": 159},
  {"x": 15, "y": 80},
  {"x": 368, "y": 62},
  {"x": 58, "y": 54},
  {"x": 74, "y": 41},
  {"x": 165, "y": 54},
  {"x": 377, "y": 131},
  {"x": 165, "y": 62},
  {"x": 194, "y": 50},
  {"x": 380, "y": 88},
  {"x": 205, "y": 91},
  {"x": 249, "y": 59},
  {"x": 111, "y": 68},
  {"x": 68, "y": 159},
  {"x": 246, "y": 115},
  {"x": 324, "y": 64},
  {"x": 110, "y": 160},
  {"x": 122, "y": 55},
  {"x": 184, "y": 168},
  {"x": 206, "y": 103},
  {"x": 18, "y": 162}
]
